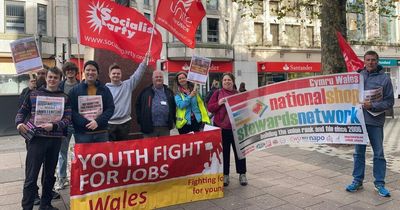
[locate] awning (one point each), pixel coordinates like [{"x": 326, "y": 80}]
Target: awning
[
  {"x": 288, "y": 67},
  {"x": 177, "y": 66}
]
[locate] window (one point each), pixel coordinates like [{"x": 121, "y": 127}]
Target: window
[
  {"x": 387, "y": 28},
  {"x": 259, "y": 31},
  {"x": 258, "y": 8},
  {"x": 293, "y": 35},
  {"x": 15, "y": 17},
  {"x": 355, "y": 19},
  {"x": 212, "y": 30},
  {"x": 275, "y": 34},
  {"x": 292, "y": 10},
  {"x": 148, "y": 16},
  {"x": 123, "y": 2},
  {"x": 273, "y": 8},
  {"x": 42, "y": 17},
  {"x": 310, "y": 36},
  {"x": 212, "y": 4},
  {"x": 146, "y": 2},
  {"x": 310, "y": 11},
  {"x": 198, "y": 34}
]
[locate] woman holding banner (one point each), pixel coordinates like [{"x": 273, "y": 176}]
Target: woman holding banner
[
  {"x": 216, "y": 105},
  {"x": 191, "y": 113}
]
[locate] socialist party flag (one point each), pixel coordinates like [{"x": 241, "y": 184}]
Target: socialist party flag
[
  {"x": 181, "y": 18},
  {"x": 353, "y": 63},
  {"x": 108, "y": 25}
]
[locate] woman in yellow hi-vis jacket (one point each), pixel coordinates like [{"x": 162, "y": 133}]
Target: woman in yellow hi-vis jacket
[{"x": 191, "y": 113}]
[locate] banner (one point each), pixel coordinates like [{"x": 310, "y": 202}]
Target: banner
[
  {"x": 181, "y": 18},
  {"x": 147, "y": 173},
  {"x": 123, "y": 30},
  {"x": 322, "y": 109},
  {"x": 353, "y": 63},
  {"x": 25, "y": 55}
]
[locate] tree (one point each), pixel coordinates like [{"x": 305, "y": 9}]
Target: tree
[{"x": 333, "y": 18}]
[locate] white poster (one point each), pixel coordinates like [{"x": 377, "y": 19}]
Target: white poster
[
  {"x": 90, "y": 107},
  {"x": 25, "y": 54},
  {"x": 48, "y": 110}
]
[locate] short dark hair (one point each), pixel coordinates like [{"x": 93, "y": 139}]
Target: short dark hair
[
  {"x": 93, "y": 63},
  {"x": 69, "y": 66},
  {"x": 371, "y": 52},
  {"x": 113, "y": 66},
  {"x": 55, "y": 70}
]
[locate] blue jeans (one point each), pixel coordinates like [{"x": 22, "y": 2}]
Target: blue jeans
[
  {"x": 375, "y": 134},
  {"x": 91, "y": 138},
  {"x": 63, "y": 155}
]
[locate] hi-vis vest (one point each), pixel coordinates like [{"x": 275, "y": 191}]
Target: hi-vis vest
[{"x": 180, "y": 113}]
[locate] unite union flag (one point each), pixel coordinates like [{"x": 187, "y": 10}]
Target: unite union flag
[
  {"x": 181, "y": 18},
  {"x": 107, "y": 25}
]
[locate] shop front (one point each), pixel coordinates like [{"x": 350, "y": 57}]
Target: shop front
[
  {"x": 391, "y": 67},
  {"x": 271, "y": 72},
  {"x": 217, "y": 69}
]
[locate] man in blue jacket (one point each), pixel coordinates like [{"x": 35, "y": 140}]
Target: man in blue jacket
[
  {"x": 92, "y": 106},
  {"x": 375, "y": 80}
]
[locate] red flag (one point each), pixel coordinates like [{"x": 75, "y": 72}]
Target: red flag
[
  {"x": 181, "y": 18},
  {"x": 108, "y": 25},
  {"x": 353, "y": 63}
]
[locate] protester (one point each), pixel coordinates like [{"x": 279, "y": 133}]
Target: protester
[
  {"x": 120, "y": 122},
  {"x": 70, "y": 71},
  {"x": 43, "y": 133},
  {"x": 214, "y": 87},
  {"x": 191, "y": 113},
  {"x": 374, "y": 115},
  {"x": 26, "y": 91},
  {"x": 41, "y": 77},
  {"x": 155, "y": 108},
  {"x": 92, "y": 106},
  {"x": 216, "y": 105},
  {"x": 242, "y": 87}
]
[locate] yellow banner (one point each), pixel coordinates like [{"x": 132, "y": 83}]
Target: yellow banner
[{"x": 153, "y": 195}]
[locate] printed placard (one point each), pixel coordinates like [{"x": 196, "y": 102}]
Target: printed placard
[
  {"x": 90, "y": 107},
  {"x": 25, "y": 54},
  {"x": 48, "y": 110},
  {"x": 199, "y": 68}
]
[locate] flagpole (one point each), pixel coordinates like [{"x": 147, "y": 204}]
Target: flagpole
[{"x": 151, "y": 39}]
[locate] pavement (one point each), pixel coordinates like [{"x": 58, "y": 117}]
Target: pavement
[{"x": 285, "y": 177}]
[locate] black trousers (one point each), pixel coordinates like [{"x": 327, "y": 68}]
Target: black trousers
[
  {"x": 194, "y": 126},
  {"x": 227, "y": 142},
  {"x": 119, "y": 132},
  {"x": 41, "y": 150}
]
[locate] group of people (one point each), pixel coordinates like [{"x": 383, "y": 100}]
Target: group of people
[{"x": 95, "y": 112}]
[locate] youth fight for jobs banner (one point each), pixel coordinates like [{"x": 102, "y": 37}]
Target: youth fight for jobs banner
[
  {"x": 108, "y": 25},
  {"x": 147, "y": 173},
  {"x": 322, "y": 109}
]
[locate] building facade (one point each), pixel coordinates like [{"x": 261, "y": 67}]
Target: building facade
[{"x": 258, "y": 50}]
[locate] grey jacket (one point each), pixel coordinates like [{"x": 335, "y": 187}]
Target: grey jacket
[{"x": 376, "y": 80}]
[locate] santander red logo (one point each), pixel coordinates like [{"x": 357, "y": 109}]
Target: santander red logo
[
  {"x": 180, "y": 10},
  {"x": 102, "y": 15}
]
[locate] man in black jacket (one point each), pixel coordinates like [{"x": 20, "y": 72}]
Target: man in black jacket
[{"x": 155, "y": 108}]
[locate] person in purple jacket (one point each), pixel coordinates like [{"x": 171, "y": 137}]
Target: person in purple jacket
[
  {"x": 216, "y": 105},
  {"x": 45, "y": 115}
]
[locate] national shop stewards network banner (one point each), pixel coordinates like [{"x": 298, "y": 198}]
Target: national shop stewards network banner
[
  {"x": 322, "y": 109},
  {"x": 147, "y": 174}
]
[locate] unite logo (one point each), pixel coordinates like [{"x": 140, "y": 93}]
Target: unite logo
[
  {"x": 180, "y": 10},
  {"x": 102, "y": 15}
]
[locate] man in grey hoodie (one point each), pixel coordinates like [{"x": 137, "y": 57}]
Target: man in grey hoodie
[
  {"x": 376, "y": 80},
  {"x": 120, "y": 122}
]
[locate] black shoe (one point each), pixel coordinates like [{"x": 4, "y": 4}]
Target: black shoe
[
  {"x": 55, "y": 195},
  {"x": 36, "y": 201},
  {"x": 49, "y": 207}
]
